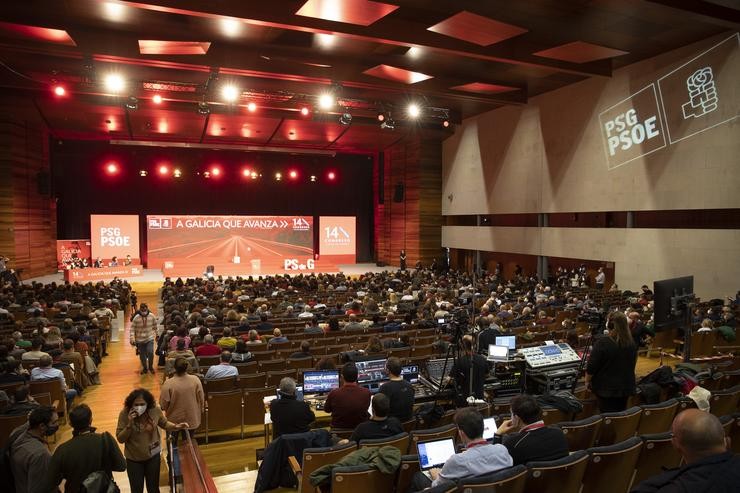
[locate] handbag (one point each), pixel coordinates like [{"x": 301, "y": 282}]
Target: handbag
[{"x": 101, "y": 481}]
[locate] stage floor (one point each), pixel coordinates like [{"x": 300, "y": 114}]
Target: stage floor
[{"x": 155, "y": 275}]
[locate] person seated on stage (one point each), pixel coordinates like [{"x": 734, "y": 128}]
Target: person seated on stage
[
  {"x": 479, "y": 457},
  {"x": 380, "y": 424},
  {"x": 128, "y": 261},
  {"x": 227, "y": 342},
  {"x": 305, "y": 351},
  {"x": 98, "y": 263},
  {"x": 533, "y": 441},
  {"x": 348, "y": 404},
  {"x": 277, "y": 338},
  {"x": 241, "y": 354},
  {"x": 709, "y": 464},
  {"x": 208, "y": 348},
  {"x": 223, "y": 369},
  {"x": 113, "y": 262},
  {"x": 289, "y": 415},
  {"x": 400, "y": 393}
]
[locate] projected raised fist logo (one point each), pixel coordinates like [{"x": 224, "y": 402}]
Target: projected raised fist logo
[{"x": 702, "y": 94}]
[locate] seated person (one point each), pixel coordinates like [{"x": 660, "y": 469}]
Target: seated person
[
  {"x": 23, "y": 404},
  {"x": 252, "y": 337},
  {"x": 45, "y": 372},
  {"x": 223, "y": 369},
  {"x": 534, "y": 441},
  {"x": 226, "y": 342},
  {"x": 180, "y": 352},
  {"x": 241, "y": 354},
  {"x": 380, "y": 424},
  {"x": 305, "y": 351},
  {"x": 35, "y": 352},
  {"x": 208, "y": 348},
  {"x": 277, "y": 338},
  {"x": 400, "y": 392},
  {"x": 709, "y": 464},
  {"x": 288, "y": 414},
  {"x": 348, "y": 404},
  {"x": 13, "y": 372},
  {"x": 478, "y": 458}
]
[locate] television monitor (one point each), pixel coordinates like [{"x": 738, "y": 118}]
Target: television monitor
[
  {"x": 666, "y": 315},
  {"x": 371, "y": 371},
  {"x": 506, "y": 341},
  {"x": 410, "y": 373},
  {"x": 320, "y": 381}
]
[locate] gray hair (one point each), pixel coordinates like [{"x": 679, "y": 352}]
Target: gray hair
[
  {"x": 287, "y": 386},
  {"x": 208, "y": 339}
]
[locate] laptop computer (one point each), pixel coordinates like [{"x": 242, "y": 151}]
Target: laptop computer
[
  {"x": 489, "y": 428},
  {"x": 434, "y": 454},
  {"x": 507, "y": 341},
  {"x": 498, "y": 353}
]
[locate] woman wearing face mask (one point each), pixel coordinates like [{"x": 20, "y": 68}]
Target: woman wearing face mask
[{"x": 138, "y": 428}]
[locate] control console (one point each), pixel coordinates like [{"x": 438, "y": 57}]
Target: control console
[{"x": 548, "y": 356}]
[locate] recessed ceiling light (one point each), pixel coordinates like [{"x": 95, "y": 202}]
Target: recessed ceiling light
[
  {"x": 115, "y": 83},
  {"x": 230, "y": 26}
]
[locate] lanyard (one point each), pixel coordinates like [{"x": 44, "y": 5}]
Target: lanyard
[
  {"x": 476, "y": 443},
  {"x": 533, "y": 426}
]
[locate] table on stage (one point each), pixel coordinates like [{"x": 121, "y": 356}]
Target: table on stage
[{"x": 92, "y": 273}]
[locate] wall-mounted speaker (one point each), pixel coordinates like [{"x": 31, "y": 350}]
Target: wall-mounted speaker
[{"x": 398, "y": 192}]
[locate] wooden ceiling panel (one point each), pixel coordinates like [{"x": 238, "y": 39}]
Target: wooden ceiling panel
[
  {"x": 368, "y": 137},
  {"x": 305, "y": 132},
  {"x": 359, "y": 12},
  {"x": 396, "y": 74},
  {"x": 36, "y": 33},
  {"x": 159, "y": 47},
  {"x": 165, "y": 124},
  {"x": 483, "y": 88},
  {"x": 477, "y": 29},
  {"x": 580, "y": 52},
  {"x": 241, "y": 128}
]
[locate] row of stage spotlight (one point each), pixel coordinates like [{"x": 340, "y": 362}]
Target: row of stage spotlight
[
  {"x": 116, "y": 85},
  {"x": 217, "y": 172}
]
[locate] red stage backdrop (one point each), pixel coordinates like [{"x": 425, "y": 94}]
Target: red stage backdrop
[
  {"x": 68, "y": 249},
  {"x": 174, "y": 241},
  {"x": 337, "y": 239},
  {"x": 114, "y": 236}
]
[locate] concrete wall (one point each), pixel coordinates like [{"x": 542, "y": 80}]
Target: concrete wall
[{"x": 549, "y": 156}]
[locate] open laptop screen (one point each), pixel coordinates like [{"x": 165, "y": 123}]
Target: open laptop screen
[{"x": 435, "y": 453}]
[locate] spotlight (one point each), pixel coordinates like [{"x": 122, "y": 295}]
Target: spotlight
[
  {"x": 114, "y": 83},
  {"x": 293, "y": 174},
  {"x": 215, "y": 171},
  {"x": 331, "y": 175},
  {"x": 254, "y": 175},
  {"x": 230, "y": 27},
  {"x": 132, "y": 103},
  {"x": 251, "y": 107},
  {"x": 203, "y": 108},
  {"x": 59, "y": 90},
  {"x": 111, "y": 168},
  {"x": 206, "y": 174},
  {"x": 157, "y": 99},
  {"x": 278, "y": 176},
  {"x": 313, "y": 177},
  {"x": 326, "y": 101},
  {"x": 177, "y": 173},
  {"x": 381, "y": 116},
  {"x": 230, "y": 93},
  {"x": 388, "y": 124},
  {"x": 413, "y": 110},
  {"x": 246, "y": 173},
  {"x": 325, "y": 40},
  {"x": 163, "y": 170},
  {"x": 445, "y": 123},
  {"x": 305, "y": 111},
  {"x": 143, "y": 172},
  {"x": 345, "y": 118}
]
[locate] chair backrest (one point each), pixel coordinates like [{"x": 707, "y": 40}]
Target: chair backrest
[
  {"x": 360, "y": 479},
  {"x": 272, "y": 365},
  {"x": 551, "y": 415},
  {"x": 501, "y": 406},
  {"x": 657, "y": 418},
  {"x": 509, "y": 480},
  {"x": 406, "y": 471},
  {"x": 582, "y": 434},
  {"x": 657, "y": 452},
  {"x": 7, "y": 425},
  {"x": 219, "y": 384},
  {"x": 314, "y": 458},
  {"x": 619, "y": 426},
  {"x": 425, "y": 350},
  {"x": 400, "y": 441},
  {"x": 685, "y": 403},
  {"x": 208, "y": 360},
  {"x": 399, "y": 352},
  {"x": 274, "y": 377},
  {"x": 590, "y": 407},
  {"x": 224, "y": 410},
  {"x": 254, "y": 406},
  {"x": 246, "y": 368},
  {"x": 251, "y": 381},
  {"x": 724, "y": 402},
  {"x": 296, "y": 363},
  {"x": 446, "y": 418},
  {"x": 727, "y": 421},
  {"x": 418, "y": 436},
  {"x": 610, "y": 468},
  {"x": 44, "y": 399},
  {"x": 53, "y": 388},
  {"x": 262, "y": 355},
  {"x": 557, "y": 476}
]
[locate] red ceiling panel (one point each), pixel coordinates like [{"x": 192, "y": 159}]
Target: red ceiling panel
[
  {"x": 36, "y": 33},
  {"x": 305, "y": 132},
  {"x": 84, "y": 119},
  {"x": 158, "y": 47},
  {"x": 367, "y": 137},
  {"x": 483, "y": 88},
  {"x": 580, "y": 52},
  {"x": 360, "y": 12},
  {"x": 164, "y": 124},
  {"x": 397, "y": 74},
  {"x": 477, "y": 29},
  {"x": 241, "y": 128}
]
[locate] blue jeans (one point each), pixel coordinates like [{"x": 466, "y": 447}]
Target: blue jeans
[
  {"x": 70, "y": 395},
  {"x": 146, "y": 354}
]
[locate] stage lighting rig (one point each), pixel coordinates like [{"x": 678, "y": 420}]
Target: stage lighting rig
[
  {"x": 203, "y": 108},
  {"x": 345, "y": 118},
  {"x": 132, "y": 103}
]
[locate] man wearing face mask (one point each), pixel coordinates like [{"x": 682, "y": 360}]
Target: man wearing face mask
[
  {"x": 138, "y": 428},
  {"x": 143, "y": 334},
  {"x": 29, "y": 453}
]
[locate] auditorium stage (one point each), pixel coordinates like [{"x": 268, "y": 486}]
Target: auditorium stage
[{"x": 156, "y": 275}]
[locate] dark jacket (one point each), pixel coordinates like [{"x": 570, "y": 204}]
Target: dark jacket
[
  {"x": 536, "y": 445},
  {"x": 75, "y": 459},
  {"x": 461, "y": 373},
  {"x": 715, "y": 474},
  {"x": 274, "y": 470},
  {"x": 289, "y": 415},
  {"x": 612, "y": 368},
  {"x": 385, "y": 459}
]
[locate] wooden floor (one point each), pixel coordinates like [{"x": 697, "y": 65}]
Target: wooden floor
[{"x": 227, "y": 457}]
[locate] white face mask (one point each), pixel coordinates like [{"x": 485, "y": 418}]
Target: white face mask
[{"x": 140, "y": 409}]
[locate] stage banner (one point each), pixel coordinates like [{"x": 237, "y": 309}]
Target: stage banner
[
  {"x": 114, "y": 236},
  {"x": 210, "y": 240},
  {"x": 337, "y": 238},
  {"x": 69, "y": 249}
]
